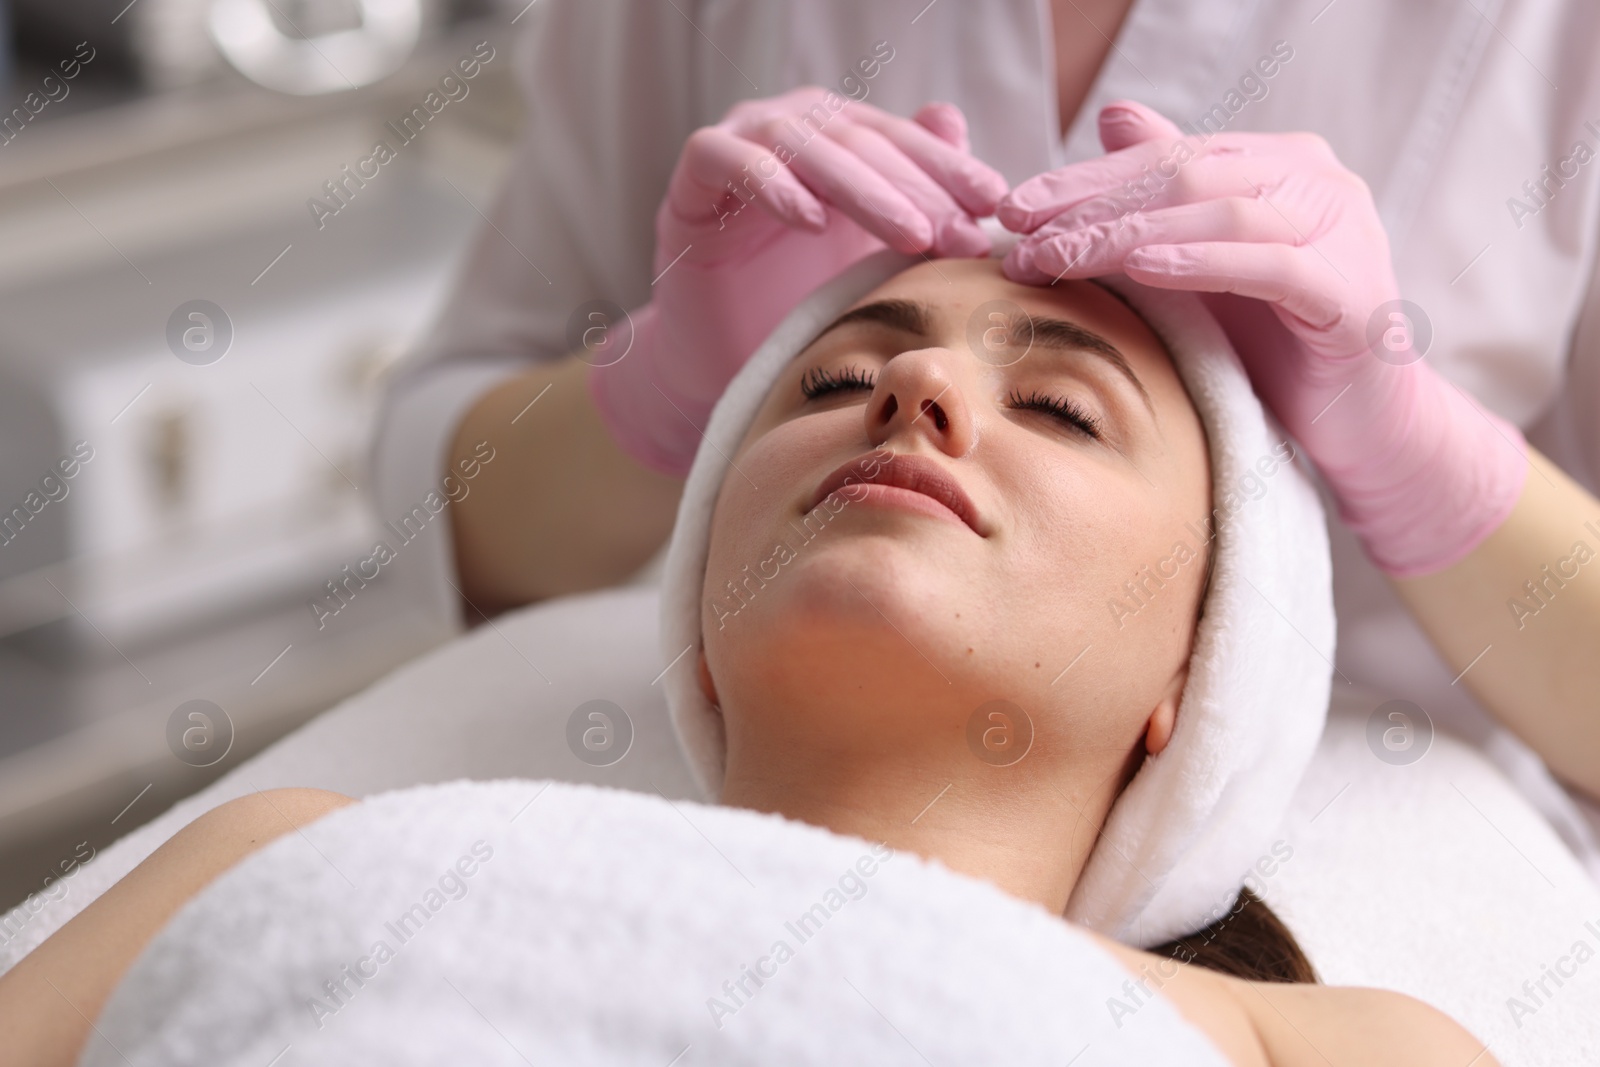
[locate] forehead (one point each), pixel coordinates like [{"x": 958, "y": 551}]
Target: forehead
[{"x": 965, "y": 292}]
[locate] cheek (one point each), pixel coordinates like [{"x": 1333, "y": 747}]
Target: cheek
[
  {"x": 760, "y": 494},
  {"x": 1078, "y": 523},
  {"x": 765, "y": 493},
  {"x": 1097, "y": 549},
  {"x": 733, "y": 522}
]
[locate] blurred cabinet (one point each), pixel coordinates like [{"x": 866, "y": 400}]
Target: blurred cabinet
[
  {"x": 206, "y": 488},
  {"x": 178, "y": 331}
]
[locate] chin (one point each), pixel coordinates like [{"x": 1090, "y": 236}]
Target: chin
[
  {"x": 869, "y": 575},
  {"x": 878, "y": 598}
]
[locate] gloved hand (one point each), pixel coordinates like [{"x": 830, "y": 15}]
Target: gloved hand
[
  {"x": 763, "y": 207},
  {"x": 1420, "y": 470}
]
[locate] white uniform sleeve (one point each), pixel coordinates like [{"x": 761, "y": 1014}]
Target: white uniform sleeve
[{"x": 608, "y": 90}]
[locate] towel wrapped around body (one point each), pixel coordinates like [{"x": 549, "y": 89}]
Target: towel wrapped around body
[{"x": 529, "y": 921}]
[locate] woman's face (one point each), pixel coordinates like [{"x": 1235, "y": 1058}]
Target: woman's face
[{"x": 1008, "y": 459}]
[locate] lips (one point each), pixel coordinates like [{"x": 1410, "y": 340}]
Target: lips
[{"x": 900, "y": 471}]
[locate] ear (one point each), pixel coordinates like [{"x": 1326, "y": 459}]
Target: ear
[
  {"x": 1158, "y": 731},
  {"x": 707, "y": 686}
]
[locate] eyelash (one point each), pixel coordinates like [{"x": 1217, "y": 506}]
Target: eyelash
[
  {"x": 1060, "y": 407},
  {"x": 818, "y": 382}
]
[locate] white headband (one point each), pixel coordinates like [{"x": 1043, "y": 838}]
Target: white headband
[{"x": 1179, "y": 840}]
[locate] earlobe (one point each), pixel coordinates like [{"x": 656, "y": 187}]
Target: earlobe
[
  {"x": 707, "y": 686},
  {"x": 1158, "y": 731}
]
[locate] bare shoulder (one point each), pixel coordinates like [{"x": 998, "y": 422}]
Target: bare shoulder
[
  {"x": 56, "y": 989},
  {"x": 1316, "y": 1024},
  {"x": 266, "y": 814},
  {"x": 1277, "y": 1024},
  {"x": 1208, "y": 1001}
]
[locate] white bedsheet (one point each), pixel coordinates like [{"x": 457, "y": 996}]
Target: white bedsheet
[{"x": 1436, "y": 879}]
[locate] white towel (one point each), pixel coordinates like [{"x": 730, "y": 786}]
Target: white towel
[
  {"x": 537, "y": 922},
  {"x": 1182, "y": 835}
]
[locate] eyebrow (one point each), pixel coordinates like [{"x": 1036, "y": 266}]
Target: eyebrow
[
  {"x": 912, "y": 317},
  {"x": 905, "y": 315}
]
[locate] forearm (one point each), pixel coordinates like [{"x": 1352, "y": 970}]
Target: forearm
[
  {"x": 1535, "y": 666},
  {"x": 562, "y": 509}
]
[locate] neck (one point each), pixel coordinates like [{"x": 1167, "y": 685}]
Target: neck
[{"x": 1017, "y": 827}]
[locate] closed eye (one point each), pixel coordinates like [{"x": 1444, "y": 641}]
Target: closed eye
[
  {"x": 1059, "y": 407},
  {"x": 818, "y": 382}
]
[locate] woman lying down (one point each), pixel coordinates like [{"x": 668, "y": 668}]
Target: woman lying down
[{"x": 1005, "y": 599}]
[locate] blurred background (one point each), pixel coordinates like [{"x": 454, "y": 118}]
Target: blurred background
[{"x": 190, "y": 355}]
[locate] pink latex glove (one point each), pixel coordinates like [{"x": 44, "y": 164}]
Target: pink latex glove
[
  {"x": 1420, "y": 470},
  {"x": 728, "y": 271}
]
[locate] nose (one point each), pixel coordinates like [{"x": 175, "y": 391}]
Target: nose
[{"x": 917, "y": 394}]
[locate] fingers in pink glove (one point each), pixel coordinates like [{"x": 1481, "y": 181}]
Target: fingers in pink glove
[
  {"x": 1296, "y": 279},
  {"x": 955, "y": 232},
  {"x": 975, "y": 185},
  {"x": 946, "y": 122},
  {"x": 1094, "y": 238},
  {"x": 1245, "y": 186},
  {"x": 1165, "y": 170},
  {"x": 1143, "y": 175},
  {"x": 1134, "y": 137},
  {"x": 1044, "y": 196},
  {"x": 849, "y": 183},
  {"x": 1128, "y": 122},
  {"x": 713, "y": 156}
]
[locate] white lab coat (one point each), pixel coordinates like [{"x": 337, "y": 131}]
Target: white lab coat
[{"x": 1445, "y": 107}]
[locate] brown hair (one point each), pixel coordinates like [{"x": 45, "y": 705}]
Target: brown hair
[{"x": 1249, "y": 942}]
